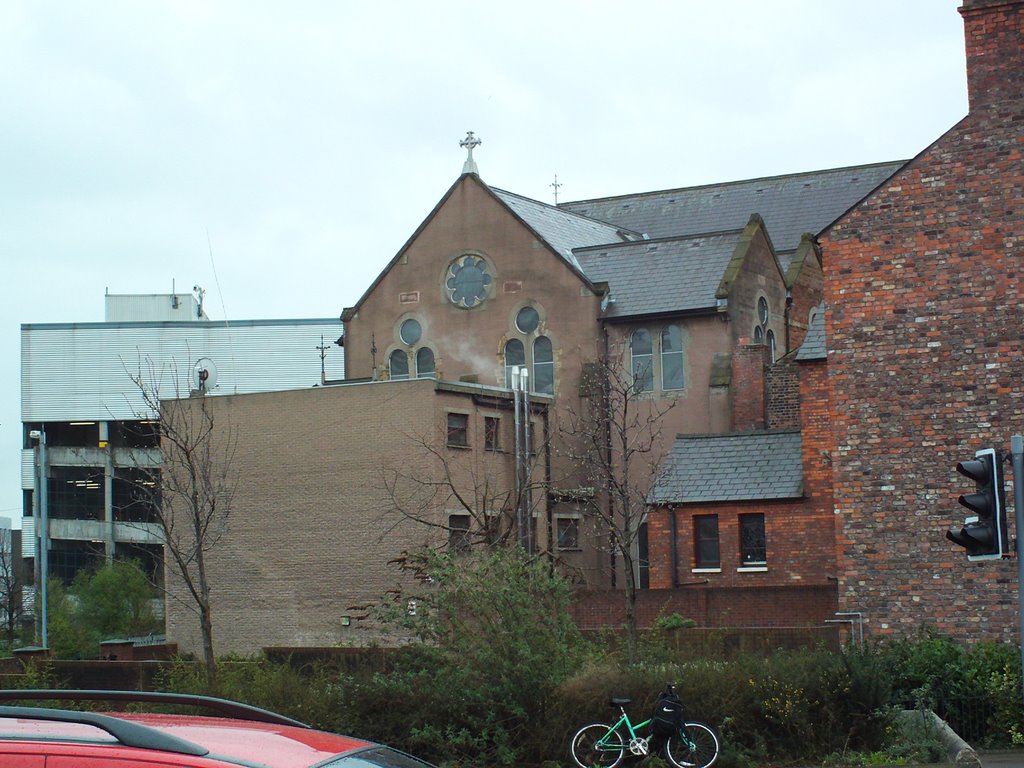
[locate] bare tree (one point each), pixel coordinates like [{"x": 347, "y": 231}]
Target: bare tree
[
  {"x": 613, "y": 444},
  {"x": 12, "y": 605},
  {"x": 195, "y": 484}
]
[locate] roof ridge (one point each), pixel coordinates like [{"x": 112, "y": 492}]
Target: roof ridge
[
  {"x": 750, "y": 433},
  {"x": 735, "y": 182}
]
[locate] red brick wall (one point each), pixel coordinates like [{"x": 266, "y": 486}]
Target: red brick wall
[
  {"x": 923, "y": 285},
  {"x": 783, "y": 394},
  {"x": 748, "y": 386}
]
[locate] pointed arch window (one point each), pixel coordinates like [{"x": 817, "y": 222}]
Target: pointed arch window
[
  {"x": 543, "y": 366},
  {"x": 398, "y": 365},
  {"x": 770, "y": 341},
  {"x": 641, "y": 351},
  {"x": 425, "y": 363},
  {"x": 671, "y": 357},
  {"x": 515, "y": 355}
]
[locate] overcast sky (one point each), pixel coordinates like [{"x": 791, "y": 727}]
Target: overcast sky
[{"x": 278, "y": 154}]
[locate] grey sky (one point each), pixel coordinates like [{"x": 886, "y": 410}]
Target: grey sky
[{"x": 309, "y": 139}]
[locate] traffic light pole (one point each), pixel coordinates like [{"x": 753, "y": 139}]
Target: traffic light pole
[{"x": 1017, "y": 457}]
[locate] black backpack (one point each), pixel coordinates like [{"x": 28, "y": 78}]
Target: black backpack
[{"x": 668, "y": 715}]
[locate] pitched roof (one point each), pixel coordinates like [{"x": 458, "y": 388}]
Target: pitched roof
[
  {"x": 741, "y": 467},
  {"x": 790, "y": 205},
  {"x": 814, "y": 347},
  {"x": 656, "y": 276},
  {"x": 562, "y": 230}
]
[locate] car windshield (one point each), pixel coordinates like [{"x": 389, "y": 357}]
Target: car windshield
[{"x": 376, "y": 757}]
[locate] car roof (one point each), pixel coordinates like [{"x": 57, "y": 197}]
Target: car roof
[{"x": 248, "y": 736}]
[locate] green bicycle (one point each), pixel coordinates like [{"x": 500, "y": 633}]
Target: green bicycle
[{"x": 687, "y": 745}]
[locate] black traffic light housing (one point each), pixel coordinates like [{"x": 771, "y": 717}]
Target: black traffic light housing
[{"x": 983, "y": 535}]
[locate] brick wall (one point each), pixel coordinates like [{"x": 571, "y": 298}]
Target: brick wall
[
  {"x": 782, "y": 385},
  {"x": 924, "y": 293},
  {"x": 748, "y": 386}
]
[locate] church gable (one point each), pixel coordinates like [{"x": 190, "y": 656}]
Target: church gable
[{"x": 473, "y": 276}]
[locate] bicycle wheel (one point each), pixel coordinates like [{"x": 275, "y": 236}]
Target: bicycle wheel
[
  {"x": 597, "y": 746},
  {"x": 696, "y": 746}
]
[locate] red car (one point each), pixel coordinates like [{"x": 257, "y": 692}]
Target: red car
[{"x": 35, "y": 737}]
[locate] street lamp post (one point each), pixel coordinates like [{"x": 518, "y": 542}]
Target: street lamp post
[{"x": 43, "y": 530}]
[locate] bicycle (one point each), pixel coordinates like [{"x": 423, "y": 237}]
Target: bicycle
[{"x": 599, "y": 745}]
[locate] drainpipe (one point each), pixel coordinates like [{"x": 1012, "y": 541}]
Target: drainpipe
[
  {"x": 606, "y": 422},
  {"x": 674, "y": 545},
  {"x": 518, "y": 454},
  {"x": 527, "y": 461},
  {"x": 549, "y": 503},
  {"x": 786, "y": 315}
]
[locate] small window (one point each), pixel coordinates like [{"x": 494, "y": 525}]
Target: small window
[
  {"x": 753, "y": 550},
  {"x": 515, "y": 355},
  {"x": 425, "y": 363},
  {"x": 527, "y": 320},
  {"x": 458, "y": 430},
  {"x": 770, "y": 341},
  {"x": 642, "y": 352},
  {"x": 758, "y": 334},
  {"x": 458, "y": 533},
  {"x": 543, "y": 366},
  {"x": 398, "y": 365},
  {"x": 410, "y": 332},
  {"x": 762, "y": 310},
  {"x": 568, "y": 532},
  {"x": 671, "y": 358},
  {"x": 492, "y": 433},
  {"x": 705, "y": 538}
]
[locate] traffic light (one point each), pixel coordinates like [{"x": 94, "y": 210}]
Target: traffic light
[{"x": 984, "y": 534}]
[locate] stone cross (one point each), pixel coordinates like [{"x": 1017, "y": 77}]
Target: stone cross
[{"x": 469, "y": 143}]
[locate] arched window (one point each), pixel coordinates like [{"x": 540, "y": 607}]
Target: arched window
[
  {"x": 671, "y": 358},
  {"x": 641, "y": 351},
  {"x": 398, "y": 365},
  {"x": 515, "y": 355},
  {"x": 758, "y": 334},
  {"x": 425, "y": 363},
  {"x": 543, "y": 366},
  {"x": 770, "y": 341}
]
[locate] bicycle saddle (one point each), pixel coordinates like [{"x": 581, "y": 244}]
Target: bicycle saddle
[{"x": 619, "y": 702}]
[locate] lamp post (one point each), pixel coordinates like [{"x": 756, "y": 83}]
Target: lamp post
[{"x": 43, "y": 529}]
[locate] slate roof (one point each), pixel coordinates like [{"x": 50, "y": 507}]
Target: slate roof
[
  {"x": 790, "y": 205},
  {"x": 742, "y": 467},
  {"x": 814, "y": 347},
  {"x": 651, "y": 277},
  {"x": 563, "y": 230}
]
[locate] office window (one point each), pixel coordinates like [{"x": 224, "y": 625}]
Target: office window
[
  {"x": 458, "y": 533},
  {"x": 705, "y": 538},
  {"x": 492, "y": 433},
  {"x": 641, "y": 350},
  {"x": 136, "y": 495},
  {"x": 568, "y": 532},
  {"x": 543, "y": 366},
  {"x": 458, "y": 430},
  {"x": 671, "y": 358},
  {"x": 425, "y": 363},
  {"x": 75, "y": 493},
  {"x": 515, "y": 355},
  {"x": 398, "y": 365},
  {"x": 753, "y": 550}
]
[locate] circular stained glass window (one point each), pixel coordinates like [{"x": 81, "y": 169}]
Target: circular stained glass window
[
  {"x": 467, "y": 281},
  {"x": 527, "y": 320},
  {"x": 410, "y": 331}
]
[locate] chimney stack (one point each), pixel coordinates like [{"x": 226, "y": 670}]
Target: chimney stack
[{"x": 994, "y": 40}]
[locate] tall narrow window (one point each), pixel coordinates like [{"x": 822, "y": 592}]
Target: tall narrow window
[
  {"x": 458, "y": 430},
  {"x": 424, "y": 363},
  {"x": 671, "y": 358},
  {"x": 705, "y": 539},
  {"x": 458, "y": 533},
  {"x": 753, "y": 550},
  {"x": 642, "y": 352},
  {"x": 568, "y": 532},
  {"x": 515, "y": 354},
  {"x": 398, "y": 365},
  {"x": 770, "y": 341},
  {"x": 492, "y": 433},
  {"x": 543, "y": 366}
]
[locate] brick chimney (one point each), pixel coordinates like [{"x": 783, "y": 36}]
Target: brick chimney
[
  {"x": 748, "y": 385},
  {"x": 994, "y": 39}
]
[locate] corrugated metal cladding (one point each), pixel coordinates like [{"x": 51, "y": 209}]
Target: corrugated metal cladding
[
  {"x": 74, "y": 372},
  {"x": 28, "y": 537},
  {"x": 28, "y": 468}
]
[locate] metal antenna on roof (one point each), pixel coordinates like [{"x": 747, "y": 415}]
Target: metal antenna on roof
[
  {"x": 470, "y": 142},
  {"x": 555, "y": 185},
  {"x": 323, "y": 354}
]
